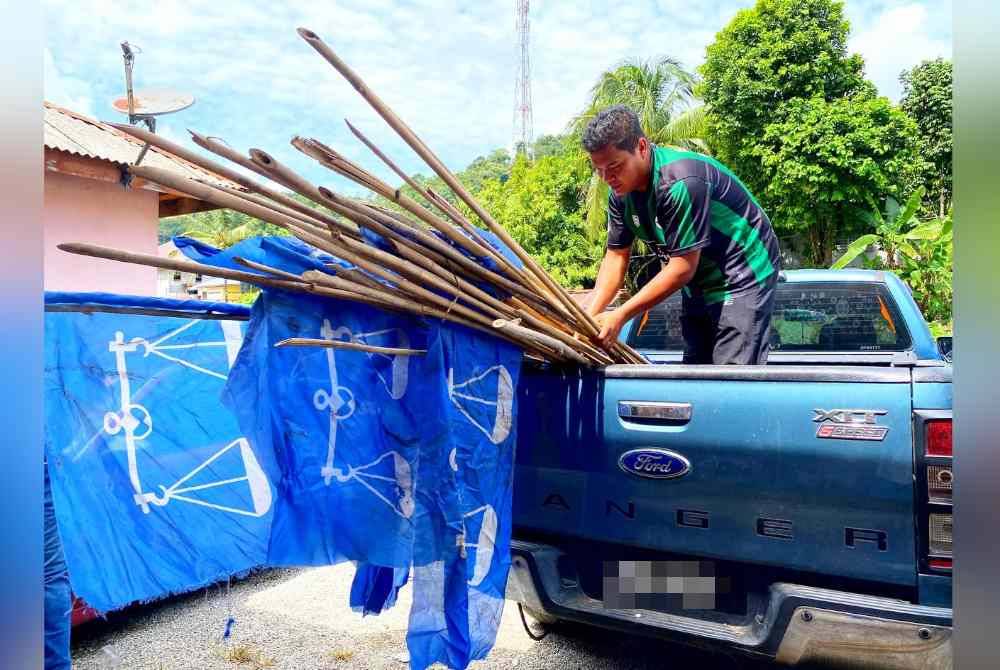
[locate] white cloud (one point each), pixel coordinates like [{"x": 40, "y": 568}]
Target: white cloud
[
  {"x": 66, "y": 91},
  {"x": 897, "y": 38},
  {"x": 447, "y": 67}
]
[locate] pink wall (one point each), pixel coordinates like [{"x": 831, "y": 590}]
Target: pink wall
[{"x": 87, "y": 210}]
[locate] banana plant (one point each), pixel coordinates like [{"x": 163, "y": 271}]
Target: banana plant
[
  {"x": 896, "y": 231},
  {"x": 920, "y": 252},
  {"x": 215, "y": 229}
]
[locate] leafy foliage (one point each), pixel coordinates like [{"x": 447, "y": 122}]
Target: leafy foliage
[
  {"x": 540, "y": 205},
  {"x": 824, "y": 161},
  {"x": 920, "y": 252},
  {"x": 657, "y": 91},
  {"x": 221, "y": 228},
  {"x": 776, "y": 51},
  {"x": 789, "y": 110},
  {"x": 927, "y": 95}
]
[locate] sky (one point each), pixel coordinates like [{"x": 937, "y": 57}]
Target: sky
[{"x": 447, "y": 68}]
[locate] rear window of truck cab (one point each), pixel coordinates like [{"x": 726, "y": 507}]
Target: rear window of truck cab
[{"x": 808, "y": 316}]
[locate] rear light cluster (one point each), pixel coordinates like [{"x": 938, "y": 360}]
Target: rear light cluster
[{"x": 938, "y": 479}]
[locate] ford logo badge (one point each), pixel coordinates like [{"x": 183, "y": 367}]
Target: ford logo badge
[{"x": 654, "y": 463}]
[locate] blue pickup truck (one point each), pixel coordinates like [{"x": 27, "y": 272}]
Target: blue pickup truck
[{"x": 799, "y": 511}]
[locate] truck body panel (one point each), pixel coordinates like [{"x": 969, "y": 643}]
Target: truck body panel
[{"x": 805, "y": 483}]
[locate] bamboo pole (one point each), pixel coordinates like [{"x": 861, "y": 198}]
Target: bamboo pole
[
  {"x": 415, "y": 273},
  {"x": 445, "y": 174},
  {"x": 332, "y": 160},
  {"x": 513, "y": 328},
  {"x": 109, "y": 253},
  {"x": 220, "y": 169},
  {"x": 315, "y": 223},
  {"x": 346, "y": 288},
  {"x": 349, "y": 346},
  {"x": 445, "y": 251},
  {"x": 355, "y": 275},
  {"x": 443, "y": 205},
  {"x": 260, "y": 267}
]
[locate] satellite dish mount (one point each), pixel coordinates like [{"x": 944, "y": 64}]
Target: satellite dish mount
[
  {"x": 145, "y": 106},
  {"x": 129, "y": 57}
]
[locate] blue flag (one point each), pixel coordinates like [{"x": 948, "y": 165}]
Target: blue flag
[{"x": 156, "y": 489}]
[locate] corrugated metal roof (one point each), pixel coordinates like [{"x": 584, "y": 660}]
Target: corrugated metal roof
[{"x": 68, "y": 131}]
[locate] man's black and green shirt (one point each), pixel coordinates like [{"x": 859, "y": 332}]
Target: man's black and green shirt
[{"x": 695, "y": 202}]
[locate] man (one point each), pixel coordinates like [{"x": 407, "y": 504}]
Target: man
[{"x": 712, "y": 237}]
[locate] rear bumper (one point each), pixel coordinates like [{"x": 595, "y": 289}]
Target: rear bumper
[{"x": 795, "y": 625}]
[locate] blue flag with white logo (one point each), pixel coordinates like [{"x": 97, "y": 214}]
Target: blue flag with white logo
[
  {"x": 156, "y": 488},
  {"x": 395, "y": 461}
]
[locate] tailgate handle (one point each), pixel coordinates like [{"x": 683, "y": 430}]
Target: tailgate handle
[{"x": 656, "y": 411}]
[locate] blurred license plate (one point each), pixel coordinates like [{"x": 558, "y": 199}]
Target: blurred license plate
[{"x": 663, "y": 585}]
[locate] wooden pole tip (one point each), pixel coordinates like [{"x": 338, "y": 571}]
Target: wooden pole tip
[
  {"x": 262, "y": 157},
  {"x": 307, "y": 34}
]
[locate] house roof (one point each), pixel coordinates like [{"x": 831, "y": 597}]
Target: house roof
[{"x": 66, "y": 130}]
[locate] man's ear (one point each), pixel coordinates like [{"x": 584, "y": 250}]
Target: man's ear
[{"x": 643, "y": 147}]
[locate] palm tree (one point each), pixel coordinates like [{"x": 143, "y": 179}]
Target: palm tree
[
  {"x": 216, "y": 229},
  {"x": 662, "y": 94}
]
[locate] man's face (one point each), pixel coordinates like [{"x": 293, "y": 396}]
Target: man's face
[{"x": 623, "y": 171}]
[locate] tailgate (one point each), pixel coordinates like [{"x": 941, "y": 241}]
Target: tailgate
[{"x": 762, "y": 486}]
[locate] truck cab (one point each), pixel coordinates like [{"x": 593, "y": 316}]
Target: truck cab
[{"x": 799, "y": 510}]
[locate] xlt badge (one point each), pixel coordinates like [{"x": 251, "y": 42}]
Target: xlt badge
[{"x": 850, "y": 424}]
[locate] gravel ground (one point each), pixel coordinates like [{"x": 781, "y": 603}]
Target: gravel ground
[{"x": 300, "y": 620}]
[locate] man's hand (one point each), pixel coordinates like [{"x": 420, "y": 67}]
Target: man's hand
[{"x": 610, "y": 324}]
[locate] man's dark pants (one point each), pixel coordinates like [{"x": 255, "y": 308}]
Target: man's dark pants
[{"x": 734, "y": 332}]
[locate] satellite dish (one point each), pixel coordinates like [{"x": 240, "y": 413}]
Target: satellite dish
[{"x": 153, "y": 102}]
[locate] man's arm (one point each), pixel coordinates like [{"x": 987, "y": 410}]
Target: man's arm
[
  {"x": 674, "y": 275},
  {"x": 684, "y": 207},
  {"x": 610, "y": 278}
]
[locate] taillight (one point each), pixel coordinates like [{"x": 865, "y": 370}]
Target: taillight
[
  {"x": 939, "y": 534},
  {"x": 939, "y": 479},
  {"x": 936, "y": 510},
  {"x": 940, "y": 563},
  {"x": 939, "y": 438}
]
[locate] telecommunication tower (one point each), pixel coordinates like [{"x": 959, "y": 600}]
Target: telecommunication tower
[{"x": 522, "y": 86}]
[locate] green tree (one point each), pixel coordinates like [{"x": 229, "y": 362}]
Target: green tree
[
  {"x": 220, "y": 228},
  {"x": 927, "y": 93},
  {"x": 661, "y": 93},
  {"x": 789, "y": 110},
  {"x": 540, "y": 205},
  {"x": 549, "y": 145},
  {"x": 773, "y": 52},
  {"x": 823, "y": 162},
  {"x": 172, "y": 227}
]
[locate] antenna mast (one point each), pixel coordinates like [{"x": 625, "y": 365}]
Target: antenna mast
[{"x": 522, "y": 88}]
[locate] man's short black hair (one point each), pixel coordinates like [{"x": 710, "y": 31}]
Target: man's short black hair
[{"x": 616, "y": 125}]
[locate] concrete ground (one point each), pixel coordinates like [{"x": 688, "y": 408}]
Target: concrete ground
[{"x": 300, "y": 620}]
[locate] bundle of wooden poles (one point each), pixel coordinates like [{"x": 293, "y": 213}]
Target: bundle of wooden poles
[{"x": 423, "y": 274}]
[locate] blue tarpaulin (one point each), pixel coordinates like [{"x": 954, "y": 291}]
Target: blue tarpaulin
[
  {"x": 149, "y": 470},
  {"x": 402, "y": 464}
]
